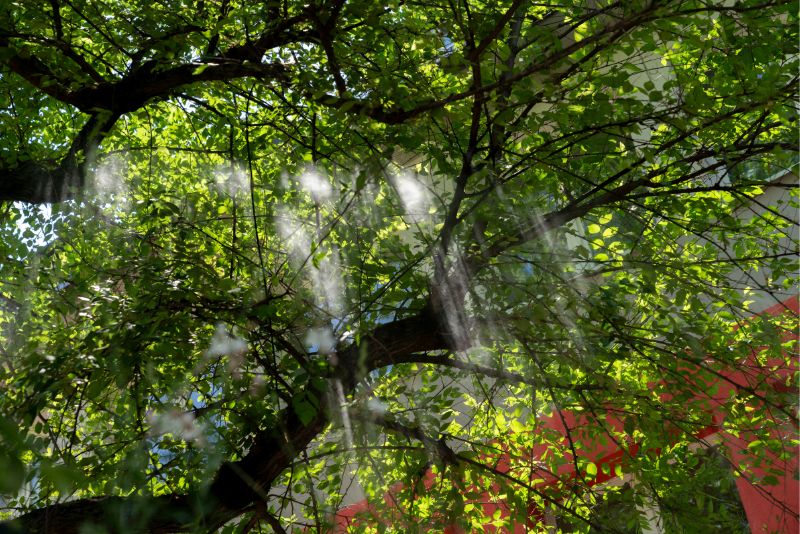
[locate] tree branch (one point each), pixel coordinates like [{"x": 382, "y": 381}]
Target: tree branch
[
  {"x": 237, "y": 485},
  {"x": 54, "y": 181},
  {"x": 446, "y": 360}
]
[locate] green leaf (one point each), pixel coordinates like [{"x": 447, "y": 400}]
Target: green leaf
[
  {"x": 591, "y": 469},
  {"x": 305, "y": 410}
]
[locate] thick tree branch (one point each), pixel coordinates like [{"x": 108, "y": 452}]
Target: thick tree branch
[
  {"x": 237, "y": 485},
  {"x": 33, "y": 70},
  {"x": 427, "y": 337},
  {"x": 54, "y": 181},
  {"x": 45, "y": 181}
]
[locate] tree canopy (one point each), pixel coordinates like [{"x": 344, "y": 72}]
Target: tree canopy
[{"x": 260, "y": 257}]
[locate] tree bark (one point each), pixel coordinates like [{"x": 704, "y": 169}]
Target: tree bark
[{"x": 237, "y": 485}]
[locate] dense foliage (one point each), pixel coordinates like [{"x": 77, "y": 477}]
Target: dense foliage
[{"x": 259, "y": 257}]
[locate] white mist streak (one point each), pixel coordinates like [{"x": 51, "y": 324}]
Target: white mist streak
[
  {"x": 231, "y": 180},
  {"x": 348, "y": 428},
  {"x": 316, "y": 185},
  {"x": 414, "y": 195}
]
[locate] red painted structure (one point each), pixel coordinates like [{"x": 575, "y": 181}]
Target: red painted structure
[{"x": 769, "y": 508}]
